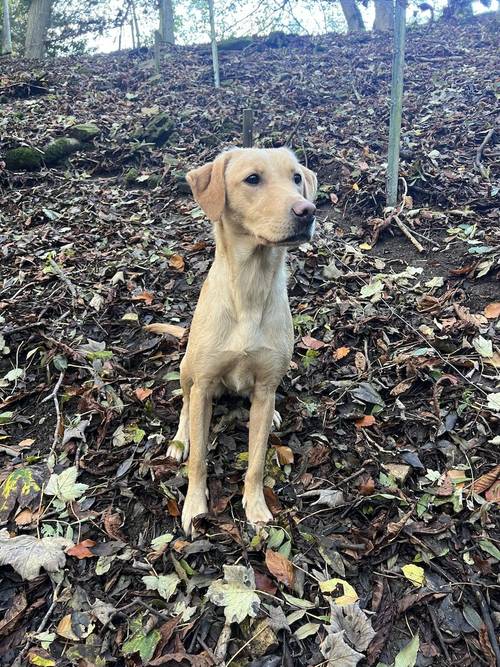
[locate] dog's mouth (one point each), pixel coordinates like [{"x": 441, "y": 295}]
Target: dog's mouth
[{"x": 290, "y": 241}]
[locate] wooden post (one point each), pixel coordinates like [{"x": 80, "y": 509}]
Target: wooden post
[
  {"x": 398, "y": 62},
  {"x": 213, "y": 38},
  {"x": 247, "y": 128}
]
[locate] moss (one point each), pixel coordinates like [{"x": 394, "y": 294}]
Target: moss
[
  {"x": 23, "y": 158},
  {"x": 59, "y": 149},
  {"x": 85, "y": 132}
]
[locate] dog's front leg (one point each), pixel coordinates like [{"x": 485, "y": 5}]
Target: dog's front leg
[
  {"x": 261, "y": 417},
  {"x": 200, "y": 412}
]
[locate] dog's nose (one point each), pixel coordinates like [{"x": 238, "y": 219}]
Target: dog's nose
[{"x": 304, "y": 210}]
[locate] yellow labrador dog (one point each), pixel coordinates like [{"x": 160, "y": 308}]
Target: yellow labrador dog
[{"x": 241, "y": 339}]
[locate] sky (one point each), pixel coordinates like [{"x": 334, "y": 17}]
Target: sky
[{"x": 313, "y": 24}]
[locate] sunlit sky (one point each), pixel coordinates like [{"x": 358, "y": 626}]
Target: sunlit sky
[{"x": 313, "y": 23}]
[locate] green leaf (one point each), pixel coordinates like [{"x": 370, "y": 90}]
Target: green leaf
[
  {"x": 64, "y": 485},
  {"x": 490, "y": 548},
  {"x": 307, "y": 630},
  {"x": 165, "y": 584},
  {"x": 298, "y": 602},
  {"x": 373, "y": 289},
  {"x": 408, "y": 656},
  {"x": 160, "y": 541},
  {"x": 6, "y": 417},
  {"x": 140, "y": 642},
  {"x": 236, "y": 593}
]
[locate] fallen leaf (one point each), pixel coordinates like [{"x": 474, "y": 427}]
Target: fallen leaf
[
  {"x": 165, "y": 584},
  {"x": 493, "y": 493},
  {"x": 22, "y": 488},
  {"x": 176, "y": 262},
  {"x": 312, "y": 343},
  {"x": 28, "y": 555},
  {"x": 415, "y": 574},
  {"x": 82, "y": 549},
  {"x": 354, "y": 622},
  {"x": 408, "y": 656},
  {"x": 41, "y": 658},
  {"x": 140, "y": 641},
  {"x": 329, "y": 497},
  {"x": 145, "y": 296},
  {"x": 398, "y": 470},
  {"x": 164, "y": 328},
  {"x": 341, "y": 352},
  {"x": 484, "y": 482},
  {"x": 367, "y": 488},
  {"x": 173, "y": 507},
  {"x": 76, "y": 432},
  {"x": 492, "y": 310},
  {"x": 483, "y": 346},
  {"x": 337, "y": 652},
  {"x": 280, "y": 567},
  {"x": 25, "y": 444},
  {"x": 236, "y": 593},
  {"x": 142, "y": 393},
  {"x": 64, "y": 485},
  {"x": 365, "y": 421},
  {"x": 284, "y": 454},
  {"x": 347, "y": 593}
]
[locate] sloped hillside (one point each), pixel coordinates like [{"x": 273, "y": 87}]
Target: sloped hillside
[{"x": 384, "y": 480}]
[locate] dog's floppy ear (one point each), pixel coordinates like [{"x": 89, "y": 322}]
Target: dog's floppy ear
[
  {"x": 209, "y": 188},
  {"x": 310, "y": 183}
]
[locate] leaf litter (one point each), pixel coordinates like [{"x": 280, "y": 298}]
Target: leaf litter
[{"x": 383, "y": 475}]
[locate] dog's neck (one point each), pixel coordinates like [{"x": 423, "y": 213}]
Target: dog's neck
[{"x": 252, "y": 275}]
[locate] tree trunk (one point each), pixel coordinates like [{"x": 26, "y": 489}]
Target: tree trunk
[
  {"x": 384, "y": 12},
  {"x": 36, "y": 29},
  {"x": 6, "y": 36},
  {"x": 136, "y": 26},
  {"x": 167, "y": 22},
  {"x": 352, "y": 16},
  {"x": 213, "y": 39},
  {"x": 458, "y": 9}
]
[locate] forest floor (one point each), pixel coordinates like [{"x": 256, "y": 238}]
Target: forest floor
[{"x": 384, "y": 479}]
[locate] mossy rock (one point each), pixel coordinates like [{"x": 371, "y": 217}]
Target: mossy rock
[
  {"x": 85, "y": 132},
  {"x": 158, "y": 130},
  {"x": 59, "y": 149},
  {"x": 23, "y": 159}
]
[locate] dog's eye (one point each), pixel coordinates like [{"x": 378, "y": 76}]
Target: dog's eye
[
  {"x": 253, "y": 179},
  {"x": 297, "y": 178}
]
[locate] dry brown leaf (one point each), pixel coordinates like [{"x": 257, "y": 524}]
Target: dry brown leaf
[
  {"x": 113, "y": 521},
  {"x": 177, "y": 262},
  {"x": 493, "y": 493},
  {"x": 466, "y": 316},
  {"x": 285, "y": 455},
  {"x": 341, "y": 352},
  {"x": 147, "y": 297},
  {"x": 365, "y": 421},
  {"x": 367, "y": 488},
  {"x": 82, "y": 549},
  {"x": 280, "y": 567},
  {"x": 312, "y": 343},
  {"x": 173, "y": 507},
  {"x": 24, "y": 444},
  {"x": 143, "y": 393},
  {"x": 25, "y": 517},
  {"x": 64, "y": 628},
  {"x": 484, "y": 482},
  {"x": 492, "y": 310},
  {"x": 272, "y": 501},
  {"x": 360, "y": 362},
  {"x": 402, "y": 387},
  {"x": 164, "y": 328}
]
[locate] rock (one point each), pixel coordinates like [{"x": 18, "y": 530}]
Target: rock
[
  {"x": 85, "y": 132},
  {"x": 158, "y": 130},
  {"x": 59, "y": 149},
  {"x": 23, "y": 158}
]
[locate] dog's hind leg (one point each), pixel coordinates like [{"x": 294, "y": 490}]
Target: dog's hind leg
[
  {"x": 261, "y": 418},
  {"x": 178, "y": 448}
]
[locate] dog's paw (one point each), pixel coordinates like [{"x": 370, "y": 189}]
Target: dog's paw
[
  {"x": 277, "y": 421},
  {"x": 194, "y": 505},
  {"x": 256, "y": 509},
  {"x": 178, "y": 450}
]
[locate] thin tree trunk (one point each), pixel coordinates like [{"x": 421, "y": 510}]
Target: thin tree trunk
[
  {"x": 167, "y": 22},
  {"x": 213, "y": 38},
  {"x": 384, "y": 12},
  {"x": 6, "y": 36},
  {"x": 136, "y": 26},
  {"x": 352, "y": 16},
  {"x": 132, "y": 32},
  {"x": 36, "y": 29}
]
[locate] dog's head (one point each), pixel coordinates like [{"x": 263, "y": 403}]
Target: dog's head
[{"x": 265, "y": 193}]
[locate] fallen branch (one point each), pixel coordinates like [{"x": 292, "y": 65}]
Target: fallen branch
[
  {"x": 479, "y": 154},
  {"x": 408, "y": 234}
]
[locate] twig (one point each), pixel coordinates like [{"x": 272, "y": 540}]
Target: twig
[
  {"x": 479, "y": 154},
  {"x": 53, "y": 395},
  {"x": 438, "y": 632},
  {"x": 295, "y": 128},
  {"x": 60, "y": 273},
  {"x": 408, "y": 234},
  {"x": 485, "y": 613}
]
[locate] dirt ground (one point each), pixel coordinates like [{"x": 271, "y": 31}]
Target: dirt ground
[{"x": 384, "y": 478}]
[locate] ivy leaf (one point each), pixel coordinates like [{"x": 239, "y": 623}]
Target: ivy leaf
[
  {"x": 165, "y": 584},
  {"x": 64, "y": 485},
  {"x": 27, "y": 554},
  {"x": 236, "y": 593},
  {"x": 141, "y": 642}
]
